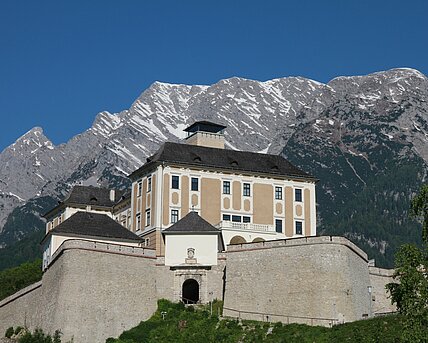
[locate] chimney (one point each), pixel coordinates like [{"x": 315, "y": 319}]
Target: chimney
[
  {"x": 112, "y": 195},
  {"x": 205, "y": 133}
]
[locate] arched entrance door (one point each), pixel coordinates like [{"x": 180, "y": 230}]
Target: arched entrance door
[{"x": 190, "y": 292}]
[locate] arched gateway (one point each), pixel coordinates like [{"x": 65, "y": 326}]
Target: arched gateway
[{"x": 190, "y": 291}]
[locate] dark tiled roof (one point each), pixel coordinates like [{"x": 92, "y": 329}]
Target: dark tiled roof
[
  {"x": 243, "y": 161},
  {"x": 89, "y": 195},
  {"x": 94, "y": 225},
  {"x": 192, "y": 222},
  {"x": 204, "y": 125}
]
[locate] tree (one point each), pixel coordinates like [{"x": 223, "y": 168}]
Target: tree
[
  {"x": 410, "y": 292},
  {"x": 419, "y": 209}
]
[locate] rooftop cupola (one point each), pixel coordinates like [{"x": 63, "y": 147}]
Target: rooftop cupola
[{"x": 205, "y": 133}]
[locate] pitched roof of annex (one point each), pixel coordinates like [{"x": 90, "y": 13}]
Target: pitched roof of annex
[
  {"x": 93, "y": 225},
  {"x": 191, "y": 223},
  {"x": 223, "y": 159}
]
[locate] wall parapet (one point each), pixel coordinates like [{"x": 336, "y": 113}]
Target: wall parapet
[
  {"x": 290, "y": 242},
  {"x": 20, "y": 293},
  {"x": 381, "y": 271},
  {"x": 112, "y": 248}
]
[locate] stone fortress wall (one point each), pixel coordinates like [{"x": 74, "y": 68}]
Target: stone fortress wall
[
  {"x": 312, "y": 280},
  {"x": 93, "y": 291}
]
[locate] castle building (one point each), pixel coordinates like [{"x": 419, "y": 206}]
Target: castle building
[
  {"x": 249, "y": 197},
  {"x": 200, "y": 222}
]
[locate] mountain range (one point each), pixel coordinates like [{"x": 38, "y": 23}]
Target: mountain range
[{"x": 364, "y": 137}]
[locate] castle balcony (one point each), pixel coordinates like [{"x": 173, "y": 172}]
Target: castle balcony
[{"x": 249, "y": 227}]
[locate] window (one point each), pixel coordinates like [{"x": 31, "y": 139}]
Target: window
[
  {"x": 236, "y": 219},
  {"x": 149, "y": 184},
  {"x": 175, "y": 182},
  {"x": 226, "y": 187},
  {"x": 278, "y": 225},
  {"x": 140, "y": 187},
  {"x": 297, "y": 195},
  {"x": 148, "y": 218},
  {"x": 299, "y": 228},
  {"x": 246, "y": 219},
  {"x": 246, "y": 192},
  {"x": 195, "y": 184},
  {"x": 138, "y": 220},
  {"x": 146, "y": 242},
  {"x": 174, "y": 216},
  {"x": 226, "y": 217},
  {"x": 278, "y": 193}
]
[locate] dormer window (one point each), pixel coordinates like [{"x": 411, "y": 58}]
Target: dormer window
[
  {"x": 93, "y": 199},
  {"x": 234, "y": 164}
]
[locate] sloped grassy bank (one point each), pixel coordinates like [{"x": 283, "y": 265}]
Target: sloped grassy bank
[{"x": 177, "y": 323}]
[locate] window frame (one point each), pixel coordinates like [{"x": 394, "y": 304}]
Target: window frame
[
  {"x": 174, "y": 214},
  {"x": 278, "y": 192},
  {"x": 301, "y": 227},
  {"x": 139, "y": 188},
  {"x": 192, "y": 179},
  {"x": 173, "y": 179},
  {"x": 246, "y": 189},
  {"x": 277, "y": 227},
  {"x": 149, "y": 184},
  {"x": 138, "y": 221},
  {"x": 148, "y": 218},
  {"x": 226, "y": 189},
  {"x": 300, "y": 197}
]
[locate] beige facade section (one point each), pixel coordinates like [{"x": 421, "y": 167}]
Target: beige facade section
[
  {"x": 152, "y": 240},
  {"x": 263, "y": 204},
  {"x": 208, "y": 139},
  {"x": 278, "y": 208},
  {"x": 210, "y": 200},
  {"x": 134, "y": 210},
  {"x": 236, "y": 195},
  {"x": 153, "y": 214},
  {"x": 226, "y": 203},
  {"x": 289, "y": 222},
  {"x": 299, "y": 210},
  {"x": 307, "y": 198},
  {"x": 174, "y": 198},
  {"x": 194, "y": 200},
  {"x": 184, "y": 195},
  {"x": 160, "y": 244},
  {"x": 148, "y": 204},
  {"x": 165, "y": 202},
  {"x": 143, "y": 204},
  {"x": 247, "y": 205}
]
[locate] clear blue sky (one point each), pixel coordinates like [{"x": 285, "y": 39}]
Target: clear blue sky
[{"x": 62, "y": 62}]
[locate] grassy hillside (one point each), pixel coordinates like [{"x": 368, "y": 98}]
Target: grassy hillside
[{"x": 182, "y": 324}]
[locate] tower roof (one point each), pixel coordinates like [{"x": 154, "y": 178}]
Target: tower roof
[{"x": 206, "y": 126}]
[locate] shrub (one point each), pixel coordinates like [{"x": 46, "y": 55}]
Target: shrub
[{"x": 9, "y": 332}]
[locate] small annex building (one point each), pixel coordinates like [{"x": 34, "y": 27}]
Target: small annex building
[
  {"x": 192, "y": 241},
  {"x": 88, "y": 226}
]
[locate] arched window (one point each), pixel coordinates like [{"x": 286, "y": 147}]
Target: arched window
[
  {"x": 237, "y": 240},
  {"x": 258, "y": 239}
]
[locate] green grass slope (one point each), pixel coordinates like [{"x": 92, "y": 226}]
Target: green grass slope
[{"x": 186, "y": 324}]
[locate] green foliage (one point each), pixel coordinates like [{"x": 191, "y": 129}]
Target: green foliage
[
  {"x": 188, "y": 324},
  {"x": 38, "y": 336},
  {"x": 419, "y": 209},
  {"x": 25, "y": 250},
  {"x": 18, "y": 329},
  {"x": 410, "y": 292},
  {"x": 9, "y": 332},
  {"x": 14, "y": 279}
]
